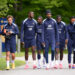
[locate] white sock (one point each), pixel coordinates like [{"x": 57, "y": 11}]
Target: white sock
[
  {"x": 52, "y": 63},
  {"x": 12, "y": 61},
  {"x": 34, "y": 62},
  {"x": 43, "y": 60},
  {"x": 56, "y": 62},
  {"x": 7, "y": 63},
  {"x": 26, "y": 61},
  {"x": 39, "y": 62},
  {"x": 47, "y": 65},
  {"x": 60, "y": 61}
]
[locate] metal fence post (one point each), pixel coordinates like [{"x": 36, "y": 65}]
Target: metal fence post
[
  {"x": 0, "y": 47},
  {"x": 18, "y": 46}
]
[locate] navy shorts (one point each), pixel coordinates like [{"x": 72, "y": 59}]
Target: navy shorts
[
  {"x": 10, "y": 46},
  {"x": 30, "y": 42},
  {"x": 61, "y": 45},
  {"x": 39, "y": 45}
]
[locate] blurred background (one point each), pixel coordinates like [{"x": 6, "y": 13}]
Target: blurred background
[{"x": 20, "y": 8}]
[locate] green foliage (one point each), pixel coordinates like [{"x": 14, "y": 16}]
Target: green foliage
[
  {"x": 20, "y": 8},
  {"x": 3, "y": 8}
]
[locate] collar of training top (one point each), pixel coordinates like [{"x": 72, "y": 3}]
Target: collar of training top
[{"x": 10, "y": 24}]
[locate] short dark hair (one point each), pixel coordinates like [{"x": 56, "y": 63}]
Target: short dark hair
[
  {"x": 10, "y": 16},
  {"x": 48, "y": 11},
  {"x": 30, "y": 12},
  {"x": 40, "y": 17},
  {"x": 72, "y": 17},
  {"x": 58, "y": 16}
]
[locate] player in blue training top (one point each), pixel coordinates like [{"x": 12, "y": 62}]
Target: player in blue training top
[
  {"x": 51, "y": 37},
  {"x": 71, "y": 41},
  {"x": 63, "y": 40},
  {"x": 28, "y": 30},
  {"x": 40, "y": 40},
  {"x": 10, "y": 31}
]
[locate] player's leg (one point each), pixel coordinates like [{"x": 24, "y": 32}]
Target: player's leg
[
  {"x": 26, "y": 44},
  {"x": 56, "y": 53},
  {"x": 39, "y": 53},
  {"x": 7, "y": 47},
  {"x": 13, "y": 50},
  {"x": 33, "y": 47},
  {"x": 34, "y": 56},
  {"x": 46, "y": 53},
  {"x": 61, "y": 59},
  {"x": 73, "y": 66},
  {"x": 13, "y": 60},
  {"x": 69, "y": 54},
  {"x": 7, "y": 60},
  {"x": 44, "y": 60},
  {"x": 39, "y": 58},
  {"x": 52, "y": 54},
  {"x": 56, "y": 57},
  {"x": 26, "y": 58}
]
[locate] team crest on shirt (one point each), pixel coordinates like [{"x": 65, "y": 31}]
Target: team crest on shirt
[
  {"x": 30, "y": 29},
  {"x": 49, "y": 26}
]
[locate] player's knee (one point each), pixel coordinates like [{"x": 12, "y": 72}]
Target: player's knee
[
  {"x": 26, "y": 51},
  {"x": 33, "y": 51},
  {"x": 13, "y": 55},
  {"x": 7, "y": 54}
]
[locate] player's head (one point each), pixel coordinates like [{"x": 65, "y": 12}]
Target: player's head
[
  {"x": 48, "y": 14},
  {"x": 10, "y": 19},
  {"x": 39, "y": 19},
  {"x": 31, "y": 14},
  {"x": 72, "y": 19},
  {"x": 58, "y": 18}
]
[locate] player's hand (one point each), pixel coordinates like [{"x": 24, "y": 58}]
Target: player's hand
[
  {"x": 43, "y": 44},
  {"x": 4, "y": 31},
  {"x": 10, "y": 32},
  {"x": 66, "y": 41},
  {"x": 7, "y": 33},
  {"x": 57, "y": 43},
  {"x": 22, "y": 43}
]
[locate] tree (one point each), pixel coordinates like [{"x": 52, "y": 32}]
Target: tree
[{"x": 3, "y": 8}]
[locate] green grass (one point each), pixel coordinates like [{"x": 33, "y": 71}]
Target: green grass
[{"x": 3, "y": 63}]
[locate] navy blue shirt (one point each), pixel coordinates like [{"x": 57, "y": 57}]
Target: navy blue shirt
[
  {"x": 62, "y": 29},
  {"x": 71, "y": 33},
  {"x": 51, "y": 30},
  {"x": 40, "y": 32},
  {"x": 15, "y": 31},
  {"x": 28, "y": 29}
]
